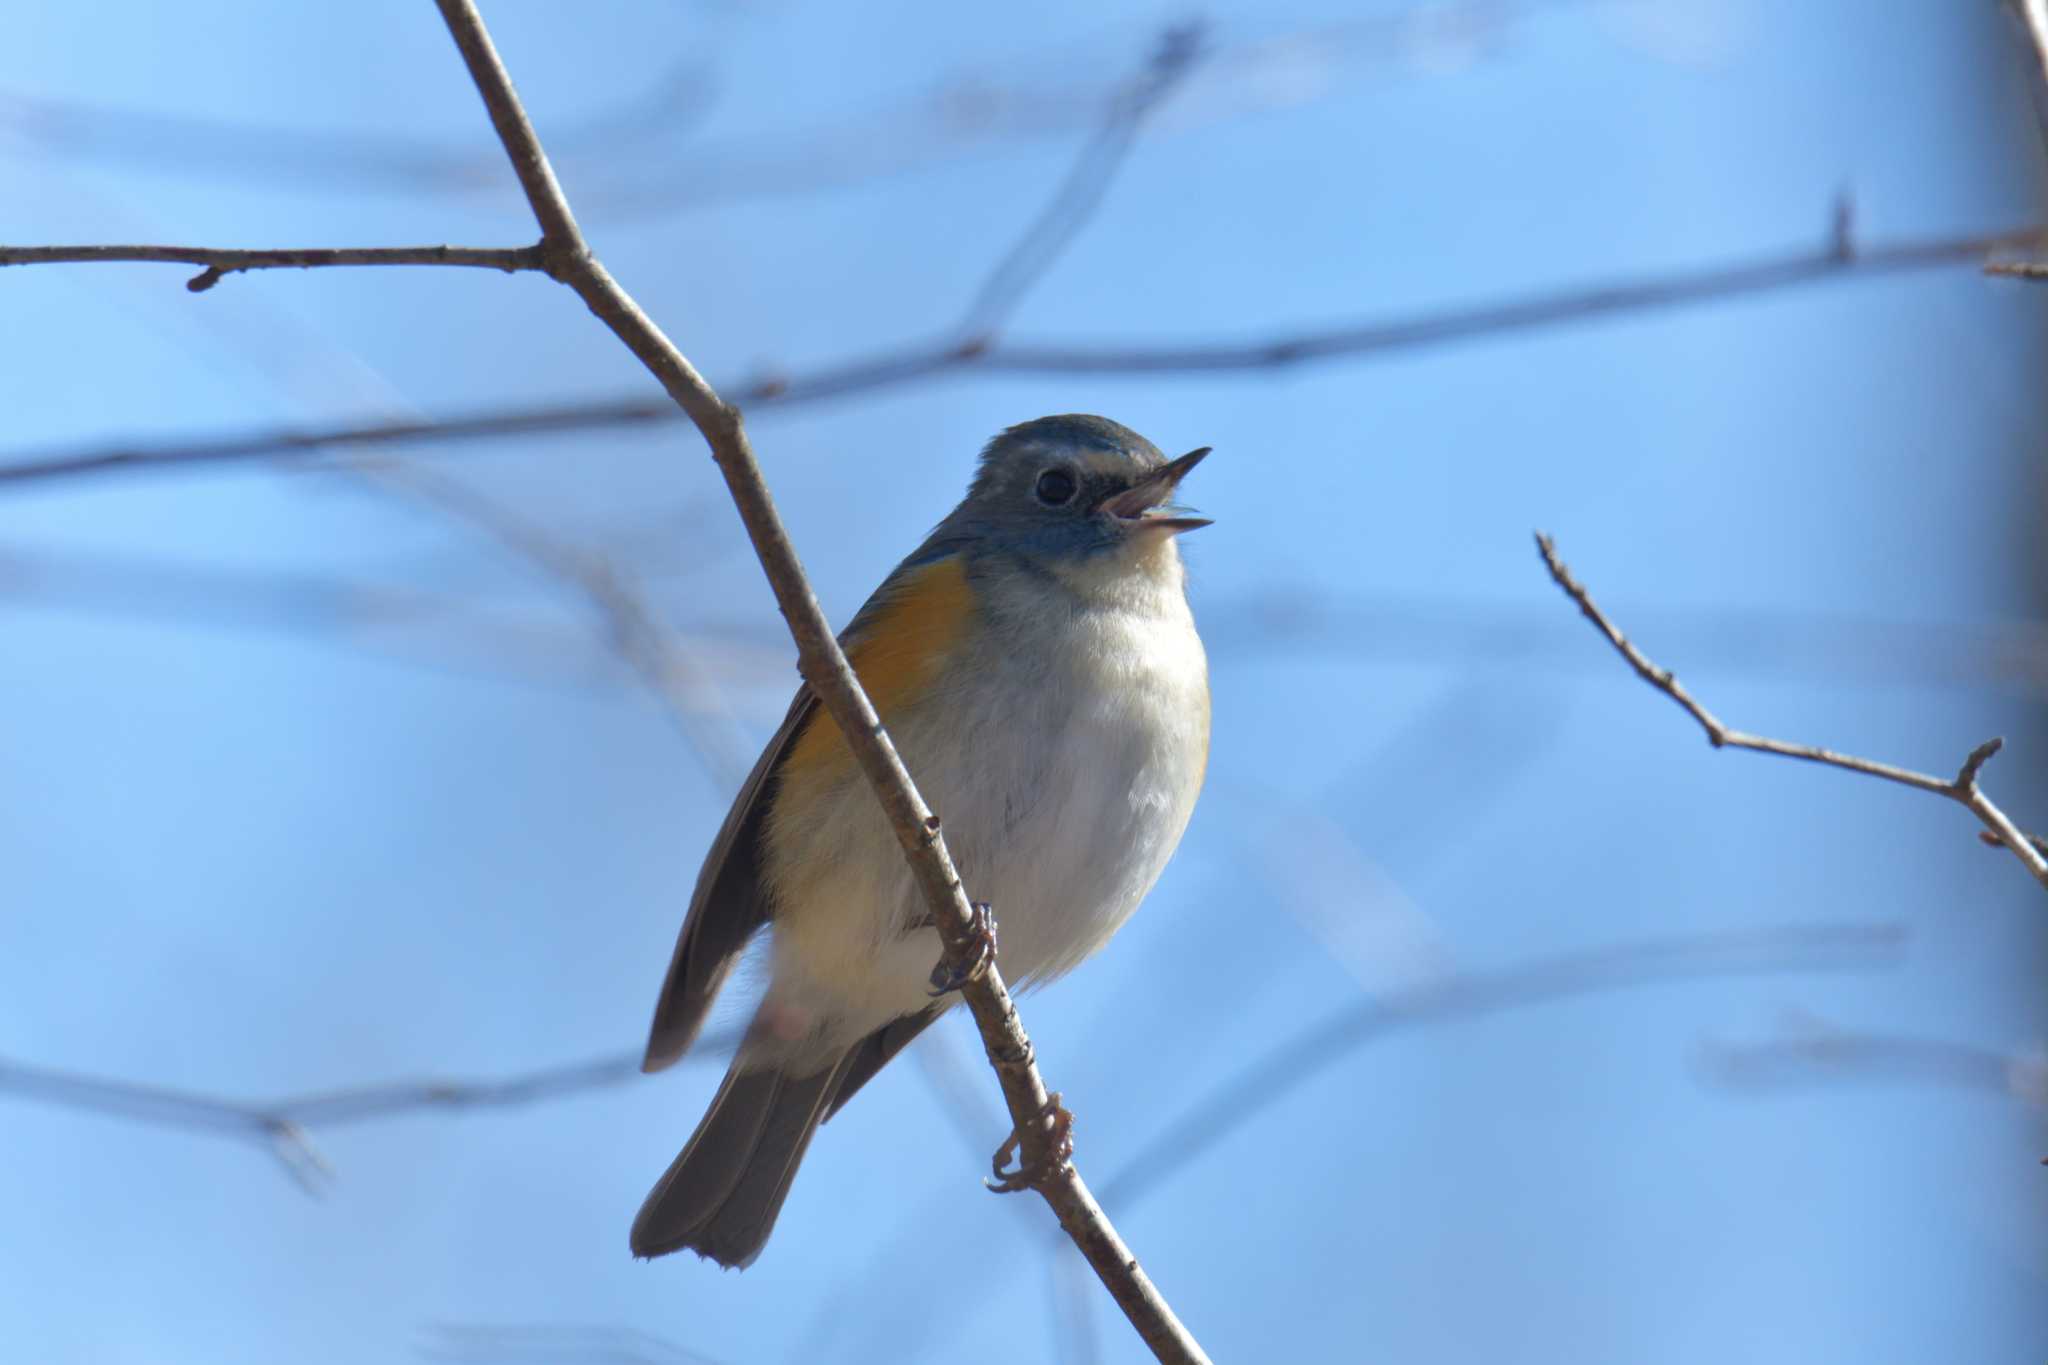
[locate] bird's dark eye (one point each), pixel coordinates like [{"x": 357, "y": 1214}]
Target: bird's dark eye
[{"x": 1056, "y": 487}]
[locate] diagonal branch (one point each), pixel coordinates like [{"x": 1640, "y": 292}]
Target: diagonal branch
[
  {"x": 640, "y": 639},
  {"x": 1081, "y": 192},
  {"x": 831, "y": 679},
  {"x": 1251, "y": 1093},
  {"x": 223, "y": 261},
  {"x": 1962, "y": 788},
  {"x": 1318, "y": 1046}
]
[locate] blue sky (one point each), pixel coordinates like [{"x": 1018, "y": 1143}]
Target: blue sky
[{"x": 263, "y": 852}]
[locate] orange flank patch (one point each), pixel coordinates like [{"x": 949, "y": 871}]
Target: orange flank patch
[{"x": 896, "y": 652}]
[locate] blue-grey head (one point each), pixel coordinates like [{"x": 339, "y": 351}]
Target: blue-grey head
[{"x": 1075, "y": 486}]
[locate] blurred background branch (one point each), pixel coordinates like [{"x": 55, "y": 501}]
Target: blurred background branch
[
  {"x": 285, "y": 1125},
  {"x": 1809, "y": 1050},
  {"x": 1840, "y": 256},
  {"x": 646, "y": 156},
  {"x": 1241, "y": 1097}
]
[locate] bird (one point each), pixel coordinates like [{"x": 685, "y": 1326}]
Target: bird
[{"x": 1036, "y": 663}]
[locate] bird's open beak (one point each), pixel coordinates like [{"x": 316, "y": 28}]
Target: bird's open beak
[{"x": 1149, "y": 503}]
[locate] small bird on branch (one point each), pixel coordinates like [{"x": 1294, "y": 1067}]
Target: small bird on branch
[{"x": 1038, "y": 669}]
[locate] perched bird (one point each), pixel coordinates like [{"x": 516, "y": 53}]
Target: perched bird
[{"x": 1036, "y": 664}]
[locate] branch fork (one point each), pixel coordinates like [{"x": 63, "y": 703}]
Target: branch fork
[{"x": 1963, "y": 789}]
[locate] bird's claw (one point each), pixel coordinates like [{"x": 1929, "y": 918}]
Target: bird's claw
[
  {"x": 1059, "y": 1151},
  {"x": 950, "y": 974}
]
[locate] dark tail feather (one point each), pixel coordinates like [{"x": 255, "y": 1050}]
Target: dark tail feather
[{"x": 720, "y": 1197}]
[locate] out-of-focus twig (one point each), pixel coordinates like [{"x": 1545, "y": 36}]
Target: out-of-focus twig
[
  {"x": 644, "y": 155},
  {"x": 222, "y": 261},
  {"x": 1081, "y": 192},
  {"x": 1252, "y": 1090},
  {"x": 334, "y": 160},
  {"x": 646, "y": 644},
  {"x": 1248, "y": 1095},
  {"x": 1838, "y": 257},
  {"x": 284, "y": 1126},
  {"x": 1963, "y": 788},
  {"x": 554, "y": 1344},
  {"x": 1389, "y": 627},
  {"x": 1810, "y": 1050}
]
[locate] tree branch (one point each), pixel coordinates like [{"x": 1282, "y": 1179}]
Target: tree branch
[
  {"x": 221, "y": 262},
  {"x": 1808, "y": 1049},
  {"x": 1837, "y": 257},
  {"x": 1317, "y": 1047},
  {"x": 831, "y": 679},
  {"x": 554, "y": 1344},
  {"x": 1962, "y": 788},
  {"x": 281, "y": 1125},
  {"x": 1081, "y": 193},
  {"x": 637, "y": 636}
]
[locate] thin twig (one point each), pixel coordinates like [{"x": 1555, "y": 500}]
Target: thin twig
[
  {"x": 1962, "y": 788},
  {"x": 831, "y": 679},
  {"x": 1836, "y": 257},
  {"x": 1081, "y": 192},
  {"x": 221, "y": 262},
  {"x": 344, "y": 161},
  {"x": 554, "y": 1344},
  {"x": 2009, "y": 656},
  {"x": 1250, "y": 1095},
  {"x": 283, "y": 1126},
  {"x": 647, "y": 646},
  {"x": 1809, "y": 1050}
]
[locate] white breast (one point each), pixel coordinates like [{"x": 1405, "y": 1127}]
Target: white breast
[{"x": 1064, "y": 762}]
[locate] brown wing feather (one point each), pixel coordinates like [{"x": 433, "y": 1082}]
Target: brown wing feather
[
  {"x": 730, "y": 902},
  {"x": 728, "y": 906}
]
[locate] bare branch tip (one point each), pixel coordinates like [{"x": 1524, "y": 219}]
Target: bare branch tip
[
  {"x": 206, "y": 279},
  {"x": 1966, "y": 779}
]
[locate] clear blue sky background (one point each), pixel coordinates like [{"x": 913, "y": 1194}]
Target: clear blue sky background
[{"x": 259, "y": 853}]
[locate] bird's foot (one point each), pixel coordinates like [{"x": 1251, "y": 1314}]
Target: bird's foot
[
  {"x": 951, "y": 974},
  {"x": 1059, "y": 1150}
]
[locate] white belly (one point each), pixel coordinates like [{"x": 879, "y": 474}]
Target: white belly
[{"x": 1064, "y": 764}]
